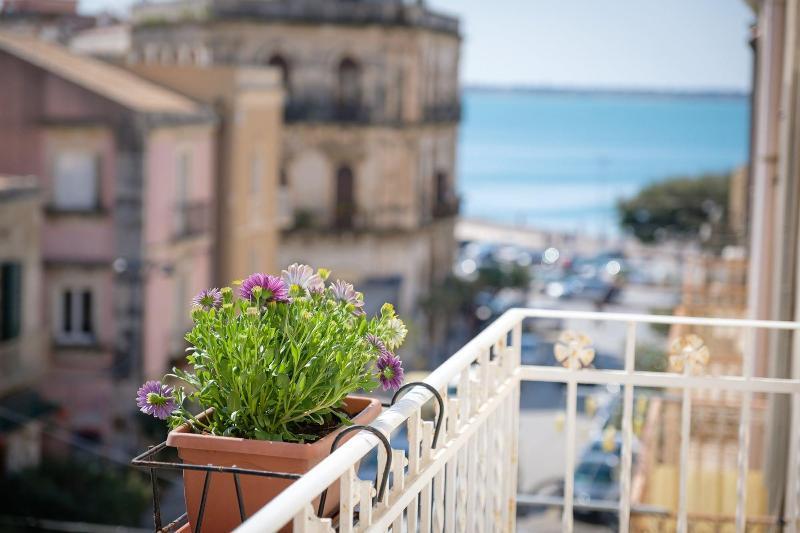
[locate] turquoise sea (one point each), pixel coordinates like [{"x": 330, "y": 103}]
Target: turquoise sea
[{"x": 561, "y": 160}]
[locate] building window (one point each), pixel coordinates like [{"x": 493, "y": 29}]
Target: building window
[
  {"x": 442, "y": 192},
  {"x": 254, "y": 266},
  {"x": 283, "y": 177},
  {"x": 280, "y": 63},
  {"x": 77, "y": 316},
  {"x": 10, "y": 300},
  {"x": 345, "y": 198},
  {"x": 180, "y": 315},
  {"x": 76, "y": 181},
  {"x": 182, "y": 175},
  {"x": 349, "y": 89},
  {"x": 256, "y": 174}
]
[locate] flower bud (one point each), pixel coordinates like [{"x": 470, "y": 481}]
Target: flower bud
[{"x": 227, "y": 295}]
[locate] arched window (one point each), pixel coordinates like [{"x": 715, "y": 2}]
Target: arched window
[
  {"x": 345, "y": 198},
  {"x": 348, "y": 94},
  {"x": 443, "y": 203},
  {"x": 442, "y": 192},
  {"x": 280, "y": 63}
]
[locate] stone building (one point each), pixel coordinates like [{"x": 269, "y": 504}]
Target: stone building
[
  {"x": 367, "y": 173},
  {"x": 126, "y": 172}
]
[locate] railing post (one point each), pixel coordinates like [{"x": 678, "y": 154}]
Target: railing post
[
  {"x": 627, "y": 432},
  {"x": 744, "y": 435},
  {"x": 793, "y": 476},
  {"x": 513, "y": 460},
  {"x": 569, "y": 463},
  {"x": 349, "y": 498},
  {"x": 683, "y": 479}
]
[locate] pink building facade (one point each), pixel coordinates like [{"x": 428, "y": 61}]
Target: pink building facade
[{"x": 125, "y": 169}]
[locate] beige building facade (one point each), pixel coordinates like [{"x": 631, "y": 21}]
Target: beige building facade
[
  {"x": 367, "y": 176},
  {"x": 249, "y": 105}
]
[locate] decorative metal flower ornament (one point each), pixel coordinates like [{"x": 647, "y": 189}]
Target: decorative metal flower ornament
[
  {"x": 688, "y": 352},
  {"x": 574, "y": 350}
]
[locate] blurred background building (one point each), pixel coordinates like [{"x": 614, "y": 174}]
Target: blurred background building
[
  {"x": 22, "y": 354},
  {"x": 126, "y": 175}
]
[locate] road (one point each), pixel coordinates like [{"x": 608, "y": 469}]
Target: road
[{"x": 542, "y": 436}]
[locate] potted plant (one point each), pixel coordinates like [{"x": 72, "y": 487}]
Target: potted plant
[{"x": 273, "y": 372}]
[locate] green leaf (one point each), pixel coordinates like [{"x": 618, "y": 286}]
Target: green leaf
[
  {"x": 282, "y": 380},
  {"x": 263, "y": 435}
]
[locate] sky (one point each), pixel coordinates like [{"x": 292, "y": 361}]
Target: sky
[{"x": 656, "y": 44}]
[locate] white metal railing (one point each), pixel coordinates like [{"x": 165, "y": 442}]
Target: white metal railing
[{"x": 468, "y": 482}]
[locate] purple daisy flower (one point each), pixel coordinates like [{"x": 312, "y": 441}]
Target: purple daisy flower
[
  {"x": 344, "y": 292},
  {"x": 273, "y": 289},
  {"x": 155, "y": 399},
  {"x": 375, "y": 341},
  {"x": 304, "y": 277},
  {"x": 208, "y": 299},
  {"x": 390, "y": 370}
]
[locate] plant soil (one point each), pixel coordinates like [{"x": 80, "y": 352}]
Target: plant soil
[
  {"x": 318, "y": 431},
  {"x": 315, "y": 432}
]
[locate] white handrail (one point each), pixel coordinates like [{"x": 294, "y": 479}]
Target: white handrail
[
  {"x": 293, "y": 501},
  {"x": 656, "y": 319}
]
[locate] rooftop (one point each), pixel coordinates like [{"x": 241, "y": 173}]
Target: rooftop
[
  {"x": 111, "y": 82},
  {"x": 382, "y": 12}
]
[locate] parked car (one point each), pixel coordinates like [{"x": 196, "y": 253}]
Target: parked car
[
  {"x": 596, "y": 480},
  {"x": 535, "y": 351}
]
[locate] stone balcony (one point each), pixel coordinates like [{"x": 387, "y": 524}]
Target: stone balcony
[{"x": 314, "y": 111}]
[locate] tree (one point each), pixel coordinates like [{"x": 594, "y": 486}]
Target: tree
[{"x": 680, "y": 208}]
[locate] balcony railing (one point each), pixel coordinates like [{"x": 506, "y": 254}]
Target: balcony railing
[
  {"x": 386, "y": 219},
  {"x": 443, "y": 112},
  {"x": 191, "y": 219},
  {"x": 447, "y": 208},
  {"x": 302, "y": 111},
  {"x": 467, "y": 480},
  {"x": 359, "y": 113}
]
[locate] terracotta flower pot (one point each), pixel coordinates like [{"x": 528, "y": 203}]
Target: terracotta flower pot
[{"x": 221, "y": 510}]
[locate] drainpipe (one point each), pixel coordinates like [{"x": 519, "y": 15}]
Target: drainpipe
[
  {"x": 771, "y": 246},
  {"x": 764, "y": 158},
  {"x": 784, "y": 284}
]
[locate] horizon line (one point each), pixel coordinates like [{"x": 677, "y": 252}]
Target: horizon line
[{"x": 611, "y": 90}]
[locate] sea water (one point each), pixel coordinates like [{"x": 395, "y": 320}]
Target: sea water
[{"x": 562, "y": 160}]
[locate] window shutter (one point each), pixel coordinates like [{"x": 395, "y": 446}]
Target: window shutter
[{"x": 10, "y": 300}]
